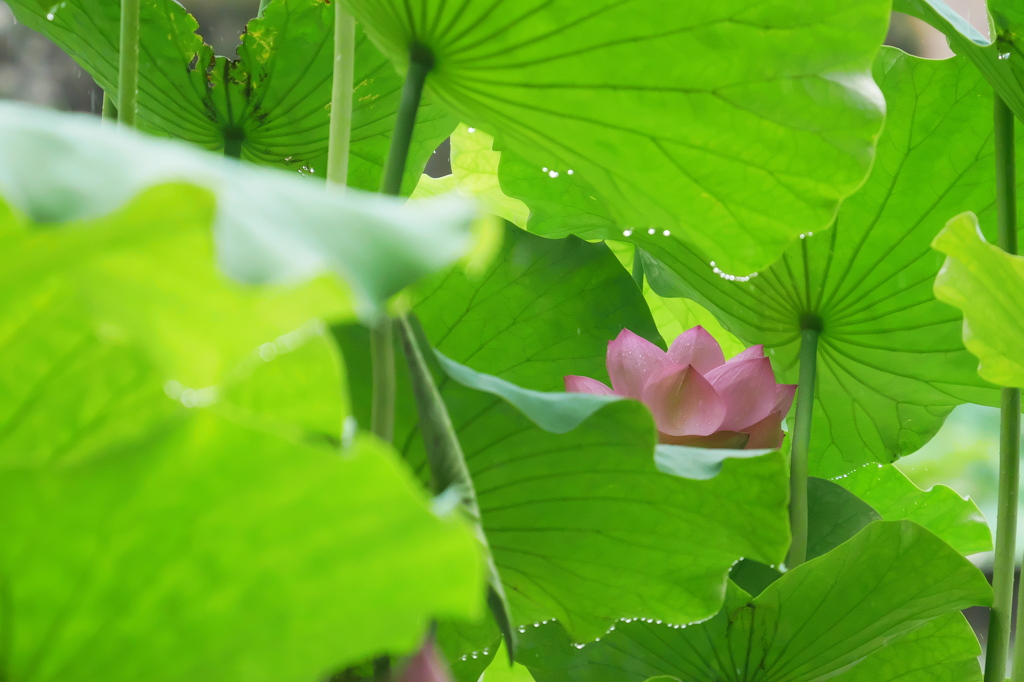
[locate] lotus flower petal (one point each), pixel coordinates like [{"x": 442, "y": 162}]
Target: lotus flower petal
[
  {"x": 698, "y": 348},
  {"x": 784, "y": 398},
  {"x": 766, "y": 433},
  {"x": 749, "y": 390},
  {"x": 426, "y": 666},
  {"x": 683, "y": 402},
  {"x": 749, "y": 353},
  {"x": 632, "y": 360},
  {"x": 725, "y": 440},
  {"x": 577, "y": 384}
]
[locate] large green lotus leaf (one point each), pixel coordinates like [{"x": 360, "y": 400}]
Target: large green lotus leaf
[
  {"x": 146, "y": 273},
  {"x": 295, "y": 382},
  {"x": 544, "y": 309},
  {"x": 145, "y": 539},
  {"x": 270, "y": 227},
  {"x": 955, "y": 519},
  {"x": 998, "y": 59},
  {"x": 204, "y": 550},
  {"x": 943, "y": 650},
  {"x": 274, "y": 100},
  {"x": 735, "y": 125},
  {"x": 893, "y": 585},
  {"x": 583, "y": 526},
  {"x": 891, "y": 364},
  {"x": 987, "y": 285}
]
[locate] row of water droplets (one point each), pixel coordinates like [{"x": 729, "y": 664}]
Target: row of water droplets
[{"x": 286, "y": 343}]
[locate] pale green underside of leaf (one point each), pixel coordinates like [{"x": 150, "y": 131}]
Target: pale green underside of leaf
[
  {"x": 747, "y": 120},
  {"x": 940, "y": 509},
  {"x": 270, "y": 227},
  {"x": 883, "y": 603},
  {"x": 999, "y": 60},
  {"x": 987, "y": 285},
  {"x": 583, "y": 526},
  {"x": 474, "y": 175},
  {"x": 276, "y": 95},
  {"x": 143, "y": 539},
  {"x": 891, "y": 364}
]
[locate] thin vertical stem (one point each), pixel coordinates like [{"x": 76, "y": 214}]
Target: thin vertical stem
[
  {"x": 128, "y": 67},
  {"x": 109, "y": 111},
  {"x": 262, "y": 7},
  {"x": 638, "y": 268},
  {"x": 341, "y": 96},
  {"x": 382, "y": 348},
  {"x": 1009, "y": 440},
  {"x": 801, "y": 445},
  {"x": 420, "y": 64},
  {"x": 382, "y": 362}
]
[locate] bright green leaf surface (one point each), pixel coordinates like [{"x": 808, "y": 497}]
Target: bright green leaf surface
[
  {"x": 271, "y": 227},
  {"x": 987, "y": 285},
  {"x": 834, "y": 516},
  {"x": 820, "y": 618},
  {"x": 143, "y": 539},
  {"x": 475, "y": 174},
  {"x": 940, "y": 509},
  {"x": 943, "y": 650},
  {"x": 208, "y": 551},
  {"x": 146, "y": 273},
  {"x": 501, "y": 671},
  {"x": 735, "y": 125},
  {"x": 583, "y": 526},
  {"x": 295, "y": 382},
  {"x": 891, "y": 364},
  {"x": 274, "y": 100}
]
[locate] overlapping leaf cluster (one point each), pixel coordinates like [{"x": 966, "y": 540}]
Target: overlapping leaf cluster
[{"x": 187, "y": 489}]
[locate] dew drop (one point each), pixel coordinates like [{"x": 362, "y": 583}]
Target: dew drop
[
  {"x": 553, "y": 174},
  {"x": 471, "y": 130}
]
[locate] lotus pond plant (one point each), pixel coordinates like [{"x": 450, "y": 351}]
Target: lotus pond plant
[
  {"x": 695, "y": 396},
  {"x": 275, "y": 405}
]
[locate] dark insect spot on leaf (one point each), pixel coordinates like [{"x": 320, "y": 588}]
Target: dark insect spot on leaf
[{"x": 194, "y": 63}]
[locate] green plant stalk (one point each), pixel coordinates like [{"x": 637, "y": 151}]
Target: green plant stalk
[
  {"x": 800, "y": 446},
  {"x": 420, "y": 64},
  {"x": 109, "y": 111},
  {"x": 128, "y": 66},
  {"x": 382, "y": 349},
  {"x": 340, "y": 138},
  {"x": 382, "y": 363},
  {"x": 1009, "y": 440},
  {"x": 263, "y": 6},
  {"x": 448, "y": 468}
]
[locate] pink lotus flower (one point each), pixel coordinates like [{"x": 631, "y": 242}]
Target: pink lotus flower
[
  {"x": 426, "y": 665},
  {"x": 696, "y": 397}
]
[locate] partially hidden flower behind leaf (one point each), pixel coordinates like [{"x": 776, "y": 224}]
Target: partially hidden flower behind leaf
[
  {"x": 987, "y": 284},
  {"x": 426, "y": 665},
  {"x": 696, "y": 397}
]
